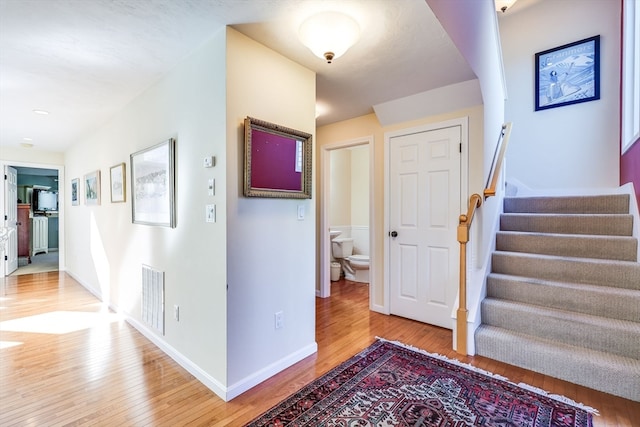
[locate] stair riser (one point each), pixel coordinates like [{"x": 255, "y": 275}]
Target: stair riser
[
  {"x": 602, "y": 273},
  {"x": 610, "y": 337},
  {"x": 612, "y": 375},
  {"x": 613, "y": 204},
  {"x": 618, "y": 225},
  {"x": 618, "y": 248},
  {"x": 623, "y": 305}
]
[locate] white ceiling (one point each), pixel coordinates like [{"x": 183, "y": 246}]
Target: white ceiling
[{"x": 84, "y": 60}]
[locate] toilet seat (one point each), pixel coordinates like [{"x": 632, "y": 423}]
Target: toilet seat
[{"x": 359, "y": 262}]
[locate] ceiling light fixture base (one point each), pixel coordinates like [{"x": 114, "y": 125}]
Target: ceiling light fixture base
[{"x": 329, "y": 34}]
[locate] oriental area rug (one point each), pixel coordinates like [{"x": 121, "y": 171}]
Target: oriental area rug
[{"x": 390, "y": 384}]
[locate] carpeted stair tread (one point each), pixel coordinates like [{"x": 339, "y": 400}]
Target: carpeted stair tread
[
  {"x": 621, "y": 337},
  {"x": 623, "y": 274},
  {"x": 597, "y": 204},
  {"x": 622, "y": 248},
  {"x": 616, "y": 303},
  {"x": 599, "y": 224},
  {"x": 563, "y": 295},
  {"x": 612, "y": 374}
]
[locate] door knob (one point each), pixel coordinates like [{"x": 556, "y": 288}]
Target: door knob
[{"x": 393, "y": 234}]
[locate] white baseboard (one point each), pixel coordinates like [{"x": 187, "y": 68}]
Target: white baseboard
[
  {"x": 256, "y": 378},
  {"x": 95, "y": 292},
  {"x": 225, "y": 393},
  {"x": 211, "y": 383}
]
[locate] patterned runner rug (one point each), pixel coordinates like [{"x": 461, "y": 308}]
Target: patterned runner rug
[{"x": 389, "y": 384}]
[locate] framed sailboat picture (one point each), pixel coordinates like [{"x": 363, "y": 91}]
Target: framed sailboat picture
[{"x": 568, "y": 74}]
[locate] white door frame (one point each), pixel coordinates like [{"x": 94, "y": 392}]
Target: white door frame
[
  {"x": 61, "y": 200},
  {"x": 325, "y": 247},
  {"x": 463, "y": 122}
]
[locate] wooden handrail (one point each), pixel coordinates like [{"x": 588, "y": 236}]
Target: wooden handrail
[
  {"x": 475, "y": 201},
  {"x": 465, "y": 220}
]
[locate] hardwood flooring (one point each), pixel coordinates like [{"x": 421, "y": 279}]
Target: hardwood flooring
[{"x": 66, "y": 361}]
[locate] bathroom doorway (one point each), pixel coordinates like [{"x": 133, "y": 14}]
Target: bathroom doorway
[{"x": 347, "y": 194}]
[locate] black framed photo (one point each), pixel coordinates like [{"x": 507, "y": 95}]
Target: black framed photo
[{"x": 568, "y": 74}]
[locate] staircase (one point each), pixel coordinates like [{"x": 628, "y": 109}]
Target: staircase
[{"x": 563, "y": 297}]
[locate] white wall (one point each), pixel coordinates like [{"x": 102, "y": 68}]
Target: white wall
[
  {"x": 340, "y": 187},
  {"x": 349, "y": 186},
  {"x": 349, "y": 202},
  {"x": 359, "y": 186},
  {"x": 574, "y": 146},
  {"x": 271, "y": 254},
  {"x": 105, "y": 251}
]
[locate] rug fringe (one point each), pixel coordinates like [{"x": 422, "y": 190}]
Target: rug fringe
[{"x": 531, "y": 388}]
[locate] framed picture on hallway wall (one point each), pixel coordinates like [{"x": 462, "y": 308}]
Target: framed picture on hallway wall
[
  {"x": 153, "y": 185},
  {"x": 75, "y": 191},
  {"x": 568, "y": 74},
  {"x": 118, "y": 187},
  {"x": 277, "y": 161},
  {"x": 92, "y": 188}
]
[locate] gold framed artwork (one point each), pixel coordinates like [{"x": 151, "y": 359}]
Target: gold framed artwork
[
  {"x": 92, "y": 188},
  {"x": 118, "y": 183},
  {"x": 277, "y": 161}
]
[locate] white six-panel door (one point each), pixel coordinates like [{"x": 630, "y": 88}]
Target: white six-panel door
[{"x": 424, "y": 198}]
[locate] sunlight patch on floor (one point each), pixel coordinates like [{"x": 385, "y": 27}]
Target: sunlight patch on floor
[
  {"x": 9, "y": 344},
  {"x": 58, "y": 322}
]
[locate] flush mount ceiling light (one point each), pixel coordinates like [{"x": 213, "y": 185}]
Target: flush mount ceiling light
[
  {"x": 329, "y": 34},
  {"x": 41, "y": 112}
]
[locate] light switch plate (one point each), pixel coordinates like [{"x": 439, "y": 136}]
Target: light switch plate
[
  {"x": 300, "y": 212},
  {"x": 211, "y": 186},
  {"x": 210, "y": 213}
]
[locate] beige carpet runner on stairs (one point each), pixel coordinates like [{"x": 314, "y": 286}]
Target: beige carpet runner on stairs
[{"x": 563, "y": 297}]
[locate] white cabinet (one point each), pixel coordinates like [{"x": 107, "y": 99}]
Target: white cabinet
[{"x": 40, "y": 235}]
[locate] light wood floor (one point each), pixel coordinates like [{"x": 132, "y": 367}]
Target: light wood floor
[{"x": 73, "y": 363}]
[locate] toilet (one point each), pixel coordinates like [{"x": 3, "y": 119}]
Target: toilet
[
  {"x": 360, "y": 266},
  {"x": 354, "y": 266}
]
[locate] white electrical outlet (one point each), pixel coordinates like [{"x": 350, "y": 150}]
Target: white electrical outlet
[{"x": 279, "y": 317}]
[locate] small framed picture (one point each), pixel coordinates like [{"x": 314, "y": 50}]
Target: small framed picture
[
  {"x": 92, "y": 188},
  {"x": 153, "y": 185},
  {"x": 568, "y": 74},
  {"x": 118, "y": 183},
  {"x": 75, "y": 191}
]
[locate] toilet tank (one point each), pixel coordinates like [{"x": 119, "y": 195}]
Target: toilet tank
[{"x": 342, "y": 247}]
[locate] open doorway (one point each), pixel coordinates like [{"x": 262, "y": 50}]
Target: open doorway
[
  {"x": 37, "y": 220},
  {"x": 347, "y": 209}
]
